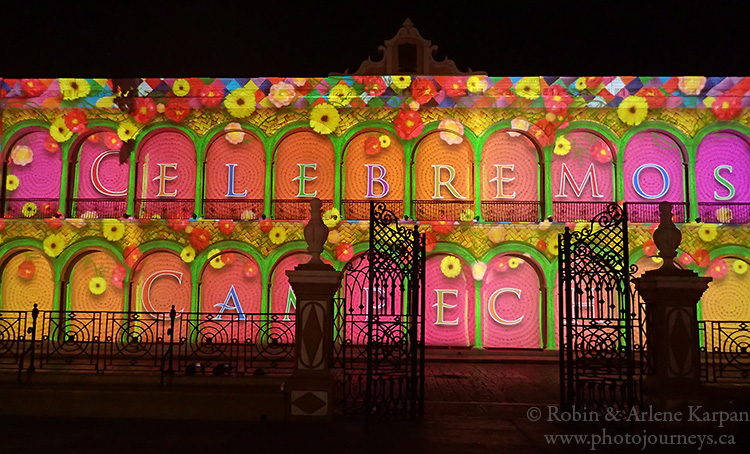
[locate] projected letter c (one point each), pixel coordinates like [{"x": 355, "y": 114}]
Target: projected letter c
[
  {"x": 98, "y": 185},
  {"x": 146, "y": 290},
  {"x": 493, "y": 311}
]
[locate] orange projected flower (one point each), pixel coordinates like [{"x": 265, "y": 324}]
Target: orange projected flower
[
  {"x": 177, "y": 109},
  {"x": 131, "y": 254},
  {"x": 76, "y": 120},
  {"x": 430, "y": 240},
  {"x": 281, "y": 94},
  {"x": 145, "y": 109},
  {"x": 691, "y": 85},
  {"x": 544, "y": 132},
  {"x": 26, "y": 269},
  {"x": 344, "y": 252},
  {"x": 702, "y": 258},
  {"x": 234, "y": 133},
  {"x": 227, "y": 257},
  {"x": 212, "y": 94},
  {"x": 372, "y": 145},
  {"x": 53, "y": 223},
  {"x": 726, "y": 107},
  {"x": 226, "y": 227},
  {"x": 324, "y": 118},
  {"x": 32, "y": 87},
  {"x": 556, "y": 99},
  {"x": 408, "y": 124},
  {"x": 266, "y": 225},
  {"x": 200, "y": 238},
  {"x": 423, "y": 90},
  {"x": 633, "y": 110},
  {"x": 601, "y": 154},
  {"x": 51, "y": 145},
  {"x": 241, "y": 102}
]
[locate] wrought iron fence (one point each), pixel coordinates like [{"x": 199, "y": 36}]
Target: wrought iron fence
[
  {"x": 511, "y": 211},
  {"x": 360, "y": 209},
  {"x": 433, "y": 210},
  {"x": 724, "y": 213},
  {"x": 237, "y": 209},
  {"x": 31, "y": 208},
  {"x": 165, "y": 208},
  {"x": 726, "y": 351},
  {"x": 296, "y": 209},
  {"x": 111, "y": 207},
  {"x": 165, "y": 343},
  {"x": 577, "y": 211},
  {"x": 649, "y": 212}
]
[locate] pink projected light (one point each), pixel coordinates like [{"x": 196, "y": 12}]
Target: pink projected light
[{"x": 449, "y": 305}]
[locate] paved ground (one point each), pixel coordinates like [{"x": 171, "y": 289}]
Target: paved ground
[{"x": 471, "y": 408}]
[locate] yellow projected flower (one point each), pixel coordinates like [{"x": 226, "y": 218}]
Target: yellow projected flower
[
  {"x": 235, "y": 135},
  {"x": 477, "y": 270},
  {"x": 187, "y": 254},
  {"x": 476, "y": 84},
  {"x": 240, "y": 103},
  {"x": 324, "y": 118},
  {"x": 21, "y": 155},
  {"x": 513, "y": 262},
  {"x": 707, "y": 232},
  {"x": 59, "y": 131},
  {"x": 385, "y": 141},
  {"x": 11, "y": 182},
  {"x": 739, "y": 266},
  {"x": 450, "y": 266},
  {"x": 401, "y": 82},
  {"x": 181, "y": 87},
  {"x": 74, "y": 88},
  {"x": 28, "y": 209},
  {"x": 331, "y": 218},
  {"x": 528, "y": 88},
  {"x": 127, "y": 130},
  {"x": 97, "y": 285},
  {"x": 633, "y": 110},
  {"x": 277, "y": 235},
  {"x": 54, "y": 244},
  {"x": 113, "y": 229},
  {"x": 562, "y": 146},
  {"x": 341, "y": 95},
  {"x": 281, "y": 94},
  {"x": 216, "y": 261},
  {"x": 724, "y": 215},
  {"x": 580, "y": 84},
  {"x": 466, "y": 215}
]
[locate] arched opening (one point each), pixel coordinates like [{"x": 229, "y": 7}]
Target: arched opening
[
  {"x": 449, "y": 301},
  {"x": 722, "y": 177}
]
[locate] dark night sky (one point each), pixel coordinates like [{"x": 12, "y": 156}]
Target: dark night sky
[{"x": 274, "y": 38}]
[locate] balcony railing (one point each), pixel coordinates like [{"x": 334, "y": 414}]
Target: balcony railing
[
  {"x": 31, "y": 208},
  {"x": 577, "y": 211},
  {"x": 511, "y": 211},
  {"x": 649, "y": 211},
  {"x": 237, "y": 209},
  {"x": 726, "y": 351},
  {"x": 724, "y": 213},
  {"x": 360, "y": 209},
  {"x": 432, "y": 210},
  {"x": 296, "y": 209},
  {"x": 164, "y": 208},
  {"x": 111, "y": 207}
]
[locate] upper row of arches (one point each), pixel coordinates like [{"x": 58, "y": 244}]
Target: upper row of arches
[{"x": 238, "y": 173}]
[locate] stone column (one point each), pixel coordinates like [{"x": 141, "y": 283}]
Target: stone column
[
  {"x": 310, "y": 390},
  {"x": 671, "y": 296}
]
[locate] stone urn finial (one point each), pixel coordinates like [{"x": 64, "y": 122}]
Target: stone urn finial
[
  {"x": 316, "y": 234},
  {"x": 667, "y": 236}
]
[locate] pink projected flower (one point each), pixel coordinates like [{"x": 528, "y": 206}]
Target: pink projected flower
[
  {"x": 118, "y": 276},
  {"x": 281, "y": 94},
  {"x": 177, "y": 109},
  {"x": 145, "y": 109},
  {"x": 685, "y": 259},
  {"x": 718, "y": 269},
  {"x": 178, "y": 224},
  {"x": 600, "y": 153},
  {"x": 21, "y": 155},
  {"x": 112, "y": 141},
  {"x": 556, "y": 99},
  {"x": 726, "y": 106},
  {"x": 408, "y": 124},
  {"x": 452, "y": 131},
  {"x": 76, "y": 120},
  {"x": 250, "y": 269},
  {"x": 372, "y": 145},
  {"x": 691, "y": 85},
  {"x": 235, "y": 135},
  {"x": 423, "y": 90},
  {"x": 32, "y": 87}
]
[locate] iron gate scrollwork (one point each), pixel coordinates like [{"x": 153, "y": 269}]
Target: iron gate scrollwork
[
  {"x": 380, "y": 322},
  {"x": 601, "y": 336}
]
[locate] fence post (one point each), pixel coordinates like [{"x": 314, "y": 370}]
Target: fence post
[
  {"x": 34, "y": 316},
  {"x": 310, "y": 389},
  {"x": 172, "y": 316}
]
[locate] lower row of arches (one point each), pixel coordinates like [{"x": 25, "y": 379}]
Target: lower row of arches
[{"x": 509, "y": 301}]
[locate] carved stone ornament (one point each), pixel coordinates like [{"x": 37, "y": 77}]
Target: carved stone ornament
[
  {"x": 667, "y": 236},
  {"x": 316, "y": 234}
]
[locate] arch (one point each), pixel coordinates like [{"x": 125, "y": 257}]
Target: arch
[
  {"x": 728, "y": 294},
  {"x": 362, "y": 152},
  {"x": 93, "y": 280},
  {"x": 722, "y": 174},
  {"x": 160, "y": 279},
  {"x": 27, "y": 278},
  {"x": 582, "y": 174},
  {"x": 230, "y": 282},
  {"x": 166, "y": 174},
  {"x": 303, "y": 166},
  {"x": 99, "y": 185},
  {"x": 655, "y": 169},
  {"x": 512, "y": 177},
  {"x": 449, "y": 301},
  {"x": 34, "y": 164},
  {"x": 244, "y": 199},
  {"x": 435, "y": 158}
]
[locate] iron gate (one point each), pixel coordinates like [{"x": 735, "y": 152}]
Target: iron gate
[
  {"x": 380, "y": 322},
  {"x": 601, "y": 336}
]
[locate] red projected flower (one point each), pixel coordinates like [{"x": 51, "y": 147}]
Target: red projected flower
[
  {"x": 344, "y": 252},
  {"x": 212, "y": 95},
  {"x": 544, "y": 131},
  {"x": 593, "y": 82},
  {"x": 132, "y": 254},
  {"x": 726, "y": 107},
  {"x": 200, "y": 238},
  {"x": 177, "y": 109},
  {"x": 76, "y": 120},
  {"x": 178, "y": 224},
  {"x": 441, "y": 227},
  {"x": 374, "y": 85},
  {"x": 145, "y": 109},
  {"x": 118, "y": 276},
  {"x": 372, "y": 145},
  {"x": 27, "y": 269},
  {"x": 112, "y": 141},
  {"x": 267, "y": 224},
  {"x": 601, "y": 153},
  {"x": 53, "y": 223},
  {"x": 430, "y": 240},
  {"x": 250, "y": 269},
  {"x": 226, "y": 227},
  {"x": 227, "y": 258},
  {"x": 32, "y": 87},
  {"x": 654, "y": 97},
  {"x": 422, "y": 90},
  {"x": 51, "y": 145},
  {"x": 649, "y": 248},
  {"x": 556, "y": 99},
  {"x": 408, "y": 124},
  {"x": 718, "y": 269},
  {"x": 701, "y": 258},
  {"x": 454, "y": 87}
]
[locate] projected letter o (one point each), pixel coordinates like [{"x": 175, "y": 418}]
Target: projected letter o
[{"x": 637, "y": 182}]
